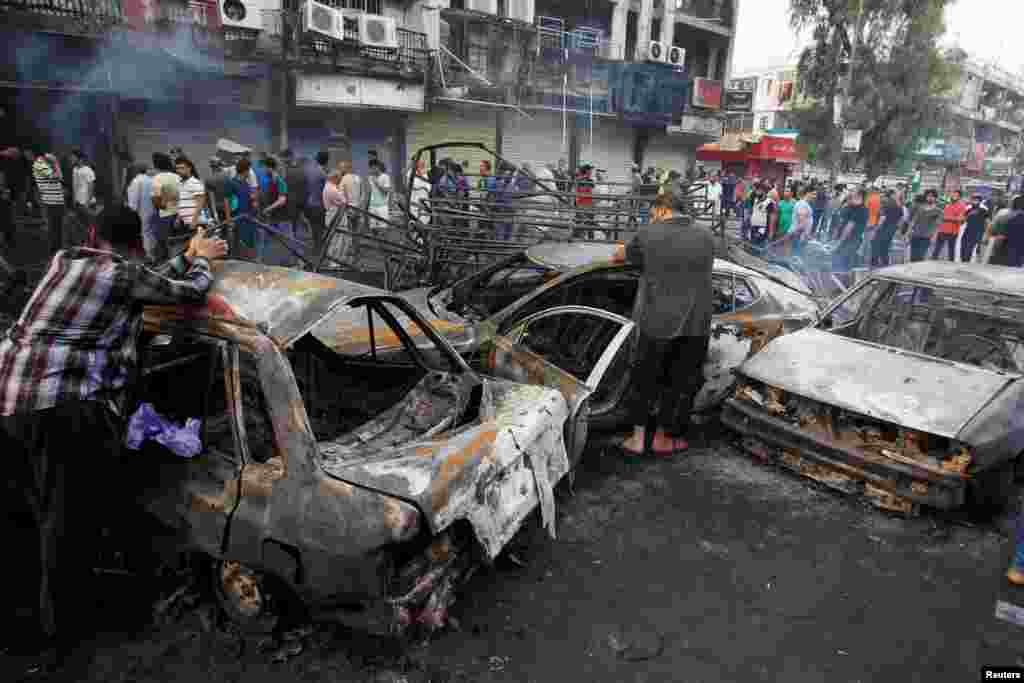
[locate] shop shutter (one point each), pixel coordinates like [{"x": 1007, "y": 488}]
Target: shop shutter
[
  {"x": 671, "y": 152},
  {"x": 453, "y": 124},
  {"x": 612, "y": 147},
  {"x": 536, "y": 140},
  {"x": 145, "y": 140}
]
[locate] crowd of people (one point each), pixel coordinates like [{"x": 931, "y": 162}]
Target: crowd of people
[{"x": 862, "y": 223}]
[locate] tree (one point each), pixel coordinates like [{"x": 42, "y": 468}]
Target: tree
[{"x": 900, "y": 78}]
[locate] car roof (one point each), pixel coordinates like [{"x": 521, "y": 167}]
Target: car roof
[
  {"x": 283, "y": 303},
  {"x": 1000, "y": 279},
  {"x": 566, "y": 256}
]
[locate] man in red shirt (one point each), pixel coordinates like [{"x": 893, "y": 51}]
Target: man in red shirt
[{"x": 953, "y": 216}]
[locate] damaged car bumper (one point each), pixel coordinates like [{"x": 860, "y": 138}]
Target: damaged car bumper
[{"x": 890, "y": 484}]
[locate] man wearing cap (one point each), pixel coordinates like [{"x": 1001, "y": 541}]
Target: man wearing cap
[
  {"x": 64, "y": 366},
  {"x": 673, "y": 316}
]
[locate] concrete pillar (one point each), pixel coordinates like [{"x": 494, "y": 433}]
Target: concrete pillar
[
  {"x": 618, "y": 36},
  {"x": 643, "y": 24},
  {"x": 713, "y": 54}
]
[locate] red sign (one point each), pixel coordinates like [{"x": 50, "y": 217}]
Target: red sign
[
  {"x": 707, "y": 93},
  {"x": 780, "y": 149}
]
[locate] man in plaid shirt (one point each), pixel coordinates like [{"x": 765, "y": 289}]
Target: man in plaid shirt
[{"x": 63, "y": 366}]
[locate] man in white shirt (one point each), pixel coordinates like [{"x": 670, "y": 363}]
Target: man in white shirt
[
  {"x": 166, "y": 192},
  {"x": 83, "y": 181},
  {"x": 189, "y": 191}
]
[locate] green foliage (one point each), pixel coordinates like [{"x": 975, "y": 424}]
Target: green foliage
[{"x": 899, "y": 83}]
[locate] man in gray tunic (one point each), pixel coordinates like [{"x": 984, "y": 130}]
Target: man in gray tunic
[{"x": 673, "y": 316}]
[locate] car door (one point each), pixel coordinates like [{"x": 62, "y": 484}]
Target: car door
[{"x": 569, "y": 348}]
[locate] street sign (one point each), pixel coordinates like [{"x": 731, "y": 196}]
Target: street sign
[
  {"x": 738, "y": 100},
  {"x": 851, "y": 140}
]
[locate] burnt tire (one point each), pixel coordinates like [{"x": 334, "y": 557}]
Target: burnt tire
[{"x": 256, "y": 602}]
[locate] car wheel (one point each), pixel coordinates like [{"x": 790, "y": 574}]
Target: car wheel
[{"x": 244, "y": 596}]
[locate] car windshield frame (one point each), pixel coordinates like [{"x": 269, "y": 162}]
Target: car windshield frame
[{"x": 827, "y": 323}]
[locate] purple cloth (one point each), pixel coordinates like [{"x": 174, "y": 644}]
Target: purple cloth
[{"x": 146, "y": 423}]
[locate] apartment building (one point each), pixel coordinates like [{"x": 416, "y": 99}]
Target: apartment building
[{"x": 610, "y": 83}]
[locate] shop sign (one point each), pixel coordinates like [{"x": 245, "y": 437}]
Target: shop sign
[
  {"x": 707, "y": 94},
  {"x": 738, "y": 100},
  {"x": 338, "y": 90},
  {"x": 697, "y": 125},
  {"x": 782, "y": 149}
]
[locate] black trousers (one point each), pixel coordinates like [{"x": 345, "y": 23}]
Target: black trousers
[
  {"x": 945, "y": 240},
  {"x": 54, "y": 215},
  {"x": 315, "y": 215},
  {"x": 63, "y": 458},
  {"x": 667, "y": 374},
  {"x": 969, "y": 244}
]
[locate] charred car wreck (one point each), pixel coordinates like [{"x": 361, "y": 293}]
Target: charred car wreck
[
  {"x": 908, "y": 390},
  {"x": 342, "y": 474}
]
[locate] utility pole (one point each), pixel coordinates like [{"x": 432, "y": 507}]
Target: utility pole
[{"x": 839, "y": 113}]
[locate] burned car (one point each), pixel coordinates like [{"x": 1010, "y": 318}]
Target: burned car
[
  {"x": 525, "y": 298},
  {"x": 908, "y": 389},
  {"x": 332, "y": 473}
]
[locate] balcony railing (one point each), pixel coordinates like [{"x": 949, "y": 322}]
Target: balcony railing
[
  {"x": 62, "y": 16},
  {"x": 282, "y": 38}
]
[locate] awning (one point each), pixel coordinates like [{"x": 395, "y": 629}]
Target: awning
[{"x": 781, "y": 150}]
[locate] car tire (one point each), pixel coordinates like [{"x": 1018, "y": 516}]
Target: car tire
[{"x": 256, "y": 602}]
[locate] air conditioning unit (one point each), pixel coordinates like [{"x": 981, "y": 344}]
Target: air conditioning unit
[
  {"x": 378, "y": 31},
  {"x": 242, "y": 13},
  {"x": 676, "y": 56},
  {"x": 655, "y": 52},
  {"x": 323, "y": 19}
]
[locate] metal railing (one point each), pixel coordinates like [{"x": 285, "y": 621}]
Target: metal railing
[
  {"x": 69, "y": 8},
  {"x": 283, "y": 28}
]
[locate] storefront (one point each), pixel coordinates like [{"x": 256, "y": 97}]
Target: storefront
[
  {"x": 768, "y": 157},
  {"x": 348, "y": 115},
  {"x": 454, "y": 123}
]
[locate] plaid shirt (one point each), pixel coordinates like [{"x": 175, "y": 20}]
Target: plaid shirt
[{"x": 76, "y": 338}]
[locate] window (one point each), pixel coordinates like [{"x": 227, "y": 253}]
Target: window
[
  {"x": 730, "y": 293},
  {"x": 613, "y": 291},
  {"x": 368, "y": 6},
  {"x": 184, "y": 379},
  {"x": 574, "y": 342},
  {"x": 477, "y": 54},
  {"x": 486, "y": 296},
  {"x": 763, "y": 123},
  {"x": 850, "y": 309},
  {"x": 656, "y": 29}
]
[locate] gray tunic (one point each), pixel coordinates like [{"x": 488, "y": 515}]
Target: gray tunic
[{"x": 675, "y": 294}]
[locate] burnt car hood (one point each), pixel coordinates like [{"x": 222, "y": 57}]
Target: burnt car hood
[
  {"x": 492, "y": 472},
  {"x": 911, "y": 390}
]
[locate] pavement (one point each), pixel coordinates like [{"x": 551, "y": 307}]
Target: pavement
[
  {"x": 707, "y": 567},
  {"x": 701, "y": 568}
]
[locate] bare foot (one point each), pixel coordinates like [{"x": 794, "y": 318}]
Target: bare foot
[
  {"x": 668, "y": 446},
  {"x": 634, "y": 445}
]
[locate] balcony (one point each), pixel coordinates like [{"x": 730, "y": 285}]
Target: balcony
[
  {"x": 282, "y": 40},
  {"x": 71, "y": 17}
]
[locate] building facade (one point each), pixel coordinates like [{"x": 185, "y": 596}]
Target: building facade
[{"x": 609, "y": 83}]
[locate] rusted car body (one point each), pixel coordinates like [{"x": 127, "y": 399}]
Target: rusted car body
[
  {"x": 511, "y": 298},
  {"x": 908, "y": 390},
  {"x": 347, "y": 474}
]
